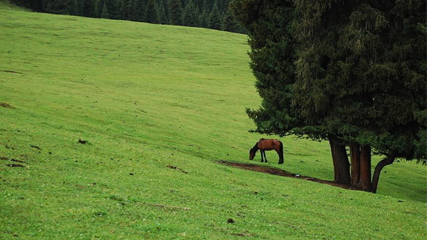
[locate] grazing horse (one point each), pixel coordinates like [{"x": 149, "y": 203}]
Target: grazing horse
[{"x": 267, "y": 145}]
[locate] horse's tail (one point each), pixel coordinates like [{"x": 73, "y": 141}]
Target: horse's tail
[{"x": 281, "y": 154}]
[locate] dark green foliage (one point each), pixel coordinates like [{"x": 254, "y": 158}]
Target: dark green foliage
[
  {"x": 126, "y": 9},
  {"x": 198, "y": 4},
  {"x": 113, "y": 7},
  {"x": 203, "y": 20},
  {"x": 175, "y": 12},
  {"x": 89, "y": 8},
  {"x": 362, "y": 76},
  {"x": 208, "y": 5},
  {"x": 190, "y": 15},
  {"x": 151, "y": 15},
  {"x": 352, "y": 72},
  {"x": 215, "y": 18},
  {"x": 104, "y": 13},
  {"x": 358, "y": 74},
  {"x": 138, "y": 13},
  {"x": 229, "y": 23},
  {"x": 73, "y": 7},
  {"x": 272, "y": 61},
  {"x": 36, "y": 5},
  {"x": 161, "y": 10},
  {"x": 57, "y": 6}
]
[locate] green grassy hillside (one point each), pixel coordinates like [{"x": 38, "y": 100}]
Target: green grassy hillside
[{"x": 156, "y": 108}]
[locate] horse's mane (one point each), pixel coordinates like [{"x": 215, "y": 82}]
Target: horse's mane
[{"x": 255, "y": 148}]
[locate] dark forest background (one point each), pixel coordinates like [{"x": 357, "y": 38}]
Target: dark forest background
[{"x": 214, "y": 14}]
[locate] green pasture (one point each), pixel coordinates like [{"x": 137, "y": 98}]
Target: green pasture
[{"x": 155, "y": 109}]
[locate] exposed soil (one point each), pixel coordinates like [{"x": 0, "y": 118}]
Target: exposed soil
[
  {"x": 13, "y": 160},
  {"x": 283, "y": 173},
  {"x": 82, "y": 141},
  {"x": 177, "y": 168},
  {"x": 167, "y": 206},
  {"x": 16, "y": 160},
  {"x": 36, "y": 147},
  {"x": 10, "y": 71},
  {"x": 14, "y": 165},
  {"x": 6, "y": 105}
]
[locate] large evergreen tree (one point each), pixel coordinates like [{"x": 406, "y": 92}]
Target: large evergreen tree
[
  {"x": 89, "y": 9},
  {"x": 166, "y": 8},
  {"x": 229, "y": 23},
  {"x": 57, "y": 6},
  {"x": 190, "y": 15},
  {"x": 104, "y": 12},
  {"x": 113, "y": 7},
  {"x": 202, "y": 13},
  {"x": 203, "y": 20},
  {"x": 208, "y": 5},
  {"x": 126, "y": 9},
  {"x": 175, "y": 12},
  {"x": 215, "y": 18},
  {"x": 73, "y": 7},
  {"x": 151, "y": 15},
  {"x": 36, "y": 5},
  {"x": 361, "y": 71},
  {"x": 358, "y": 77},
  {"x": 138, "y": 13},
  {"x": 161, "y": 10}
]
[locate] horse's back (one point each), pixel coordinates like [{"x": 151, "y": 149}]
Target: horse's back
[{"x": 269, "y": 144}]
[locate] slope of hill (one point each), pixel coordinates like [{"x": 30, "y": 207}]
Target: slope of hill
[{"x": 114, "y": 129}]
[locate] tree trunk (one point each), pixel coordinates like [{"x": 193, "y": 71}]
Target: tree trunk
[
  {"x": 340, "y": 160},
  {"x": 365, "y": 168},
  {"x": 355, "y": 163},
  {"x": 386, "y": 161}
]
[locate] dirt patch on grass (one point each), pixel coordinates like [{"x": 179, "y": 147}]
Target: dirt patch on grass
[
  {"x": 6, "y": 105},
  {"x": 15, "y": 165},
  {"x": 10, "y": 71},
  {"x": 82, "y": 141},
  {"x": 283, "y": 173},
  {"x": 177, "y": 168}
]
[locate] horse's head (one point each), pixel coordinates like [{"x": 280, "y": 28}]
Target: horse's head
[{"x": 251, "y": 154}]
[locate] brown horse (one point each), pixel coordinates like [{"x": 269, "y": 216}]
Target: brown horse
[{"x": 267, "y": 145}]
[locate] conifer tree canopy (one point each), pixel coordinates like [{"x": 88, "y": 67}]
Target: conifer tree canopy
[
  {"x": 163, "y": 17},
  {"x": 175, "y": 12},
  {"x": 195, "y": 13},
  {"x": 104, "y": 13},
  {"x": 190, "y": 15},
  {"x": 126, "y": 10},
  {"x": 215, "y": 18},
  {"x": 151, "y": 14},
  {"x": 89, "y": 8},
  {"x": 138, "y": 13},
  {"x": 229, "y": 23},
  {"x": 272, "y": 61},
  {"x": 349, "y": 72},
  {"x": 113, "y": 7}
]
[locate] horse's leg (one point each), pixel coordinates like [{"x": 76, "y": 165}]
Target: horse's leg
[
  {"x": 281, "y": 153},
  {"x": 265, "y": 157},
  {"x": 280, "y": 156},
  {"x": 262, "y": 155}
]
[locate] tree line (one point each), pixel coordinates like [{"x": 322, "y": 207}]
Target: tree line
[
  {"x": 214, "y": 14},
  {"x": 349, "y": 72}
]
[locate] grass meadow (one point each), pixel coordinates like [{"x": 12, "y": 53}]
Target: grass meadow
[{"x": 114, "y": 130}]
